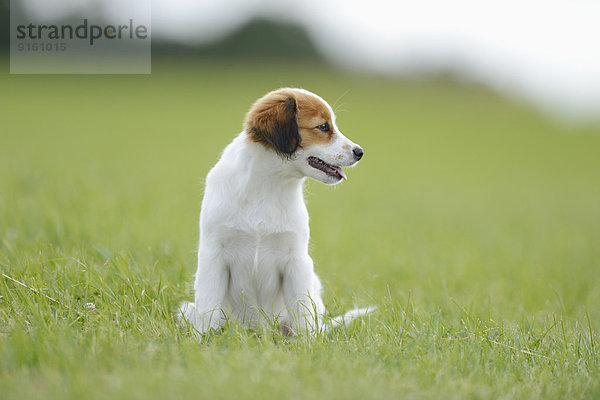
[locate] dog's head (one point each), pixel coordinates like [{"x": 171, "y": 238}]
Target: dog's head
[{"x": 300, "y": 126}]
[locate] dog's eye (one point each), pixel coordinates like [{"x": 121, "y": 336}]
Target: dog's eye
[{"x": 324, "y": 127}]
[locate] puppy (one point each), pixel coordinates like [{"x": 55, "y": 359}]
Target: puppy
[{"x": 253, "y": 261}]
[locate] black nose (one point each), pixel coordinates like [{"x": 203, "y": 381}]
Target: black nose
[{"x": 358, "y": 152}]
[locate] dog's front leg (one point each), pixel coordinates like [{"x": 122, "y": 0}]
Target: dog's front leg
[
  {"x": 211, "y": 284},
  {"x": 302, "y": 295}
]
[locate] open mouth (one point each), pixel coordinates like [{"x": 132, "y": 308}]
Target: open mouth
[{"x": 330, "y": 170}]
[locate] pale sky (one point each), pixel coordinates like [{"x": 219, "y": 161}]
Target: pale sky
[{"x": 547, "y": 51}]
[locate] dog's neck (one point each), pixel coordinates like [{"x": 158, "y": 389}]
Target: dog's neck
[{"x": 269, "y": 172}]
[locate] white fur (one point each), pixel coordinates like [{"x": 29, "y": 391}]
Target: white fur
[{"x": 253, "y": 261}]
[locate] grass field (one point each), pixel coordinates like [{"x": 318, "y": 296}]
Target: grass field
[{"x": 473, "y": 222}]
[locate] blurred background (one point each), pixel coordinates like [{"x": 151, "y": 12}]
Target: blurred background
[{"x": 543, "y": 51}]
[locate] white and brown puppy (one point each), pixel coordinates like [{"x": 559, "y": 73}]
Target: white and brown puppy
[{"x": 253, "y": 260}]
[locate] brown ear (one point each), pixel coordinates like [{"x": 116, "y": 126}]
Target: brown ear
[{"x": 272, "y": 122}]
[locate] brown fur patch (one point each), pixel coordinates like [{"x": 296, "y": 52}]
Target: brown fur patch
[
  {"x": 312, "y": 113},
  {"x": 270, "y": 120}
]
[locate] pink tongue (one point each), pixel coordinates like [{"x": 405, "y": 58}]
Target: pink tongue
[{"x": 341, "y": 172}]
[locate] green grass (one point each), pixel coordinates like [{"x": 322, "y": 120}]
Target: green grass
[{"x": 473, "y": 222}]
